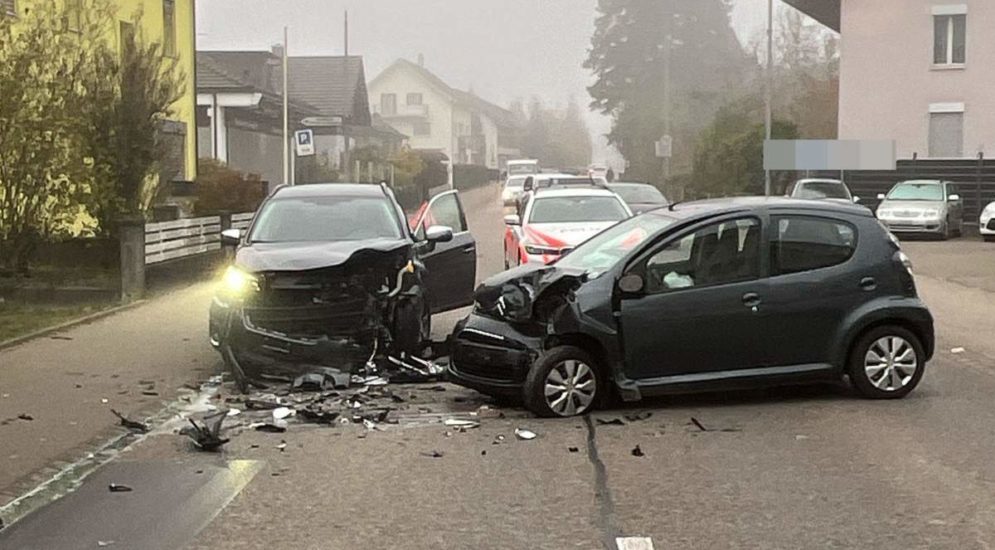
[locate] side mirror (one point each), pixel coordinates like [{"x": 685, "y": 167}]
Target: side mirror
[
  {"x": 231, "y": 237},
  {"x": 512, "y": 219},
  {"x": 954, "y": 198},
  {"x": 880, "y": 196},
  {"x": 856, "y": 199},
  {"x": 631, "y": 283},
  {"x": 439, "y": 234},
  {"x": 527, "y": 186}
]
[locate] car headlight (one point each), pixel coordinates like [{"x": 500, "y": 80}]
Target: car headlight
[
  {"x": 537, "y": 250},
  {"x": 932, "y": 213},
  {"x": 236, "y": 282}
]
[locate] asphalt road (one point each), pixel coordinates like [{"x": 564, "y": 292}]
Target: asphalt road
[{"x": 809, "y": 467}]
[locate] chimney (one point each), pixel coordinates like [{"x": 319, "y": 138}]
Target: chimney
[{"x": 421, "y": 60}]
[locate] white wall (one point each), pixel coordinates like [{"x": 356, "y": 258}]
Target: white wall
[{"x": 400, "y": 81}]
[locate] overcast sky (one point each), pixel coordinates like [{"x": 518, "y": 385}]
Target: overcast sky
[{"x": 500, "y": 49}]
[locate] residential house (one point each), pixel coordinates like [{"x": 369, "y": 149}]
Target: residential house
[
  {"x": 327, "y": 95},
  {"x": 915, "y": 71},
  {"x": 438, "y": 117},
  {"x": 172, "y": 24}
]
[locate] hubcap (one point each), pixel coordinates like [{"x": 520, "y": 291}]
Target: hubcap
[
  {"x": 570, "y": 387},
  {"x": 890, "y": 363}
]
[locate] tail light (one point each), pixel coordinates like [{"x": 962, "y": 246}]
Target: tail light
[{"x": 904, "y": 268}]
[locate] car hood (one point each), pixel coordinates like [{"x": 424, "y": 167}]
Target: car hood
[
  {"x": 912, "y": 205},
  {"x": 559, "y": 235},
  {"x": 511, "y": 294},
  {"x": 303, "y": 256}
]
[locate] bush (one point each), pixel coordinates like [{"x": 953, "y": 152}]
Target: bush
[{"x": 221, "y": 189}]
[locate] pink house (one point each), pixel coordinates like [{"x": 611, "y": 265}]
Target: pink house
[{"x": 915, "y": 71}]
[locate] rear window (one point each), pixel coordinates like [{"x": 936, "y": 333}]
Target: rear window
[
  {"x": 577, "y": 209},
  {"x": 803, "y": 243},
  {"x": 821, "y": 190}
]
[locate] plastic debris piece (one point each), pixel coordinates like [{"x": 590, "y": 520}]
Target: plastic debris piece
[
  {"x": 573, "y": 449},
  {"x": 800, "y": 437},
  {"x": 525, "y": 435},
  {"x": 498, "y": 440},
  {"x": 25, "y": 416},
  {"x": 369, "y": 424},
  {"x": 485, "y": 411},
  {"x": 104, "y": 543},
  {"x": 465, "y": 424},
  {"x": 612, "y": 422},
  {"x": 280, "y": 413},
  {"x": 150, "y": 393},
  {"x": 276, "y": 427},
  {"x": 104, "y": 401},
  {"x": 957, "y": 350},
  {"x": 282, "y": 446},
  {"x": 698, "y": 424},
  {"x": 637, "y": 451},
  {"x": 118, "y": 488},
  {"x": 207, "y": 436},
  {"x": 432, "y": 454},
  {"x": 234, "y": 412},
  {"x": 638, "y": 416},
  {"x": 318, "y": 416},
  {"x": 132, "y": 425}
]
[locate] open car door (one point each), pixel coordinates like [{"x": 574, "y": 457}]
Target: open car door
[{"x": 452, "y": 265}]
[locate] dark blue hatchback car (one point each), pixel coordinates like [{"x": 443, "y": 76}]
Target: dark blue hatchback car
[{"x": 715, "y": 294}]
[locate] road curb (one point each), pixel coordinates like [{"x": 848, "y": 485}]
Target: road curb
[{"x": 6, "y": 344}]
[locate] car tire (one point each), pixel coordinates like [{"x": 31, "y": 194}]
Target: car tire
[
  {"x": 575, "y": 371},
  {"x": 945, "y": 234},
  {"x": 881, "y": 366},
  {"x": 990, "y": 238}
]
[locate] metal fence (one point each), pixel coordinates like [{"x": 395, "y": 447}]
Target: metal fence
[{"x": 975, "y": 179}]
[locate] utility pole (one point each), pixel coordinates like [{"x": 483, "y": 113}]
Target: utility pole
[
  {"x": 286, "y": 111},
  {"x": 346, "y": 34},
  {"x": 669, "y": 45},
  {"x": 769, "y": 87}
]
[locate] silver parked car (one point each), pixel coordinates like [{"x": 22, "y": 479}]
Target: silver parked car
[
  {"x": 822, "y": 189},
  {"x": 923, "y": 206}
]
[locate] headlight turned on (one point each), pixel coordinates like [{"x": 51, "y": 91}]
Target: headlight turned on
[{"x": 236, "y": 282}]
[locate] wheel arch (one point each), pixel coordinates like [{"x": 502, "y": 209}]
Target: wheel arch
[{"x": 920, "y": 332}]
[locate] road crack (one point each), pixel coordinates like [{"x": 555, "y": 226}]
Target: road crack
[{"x": 602, "y": 492}]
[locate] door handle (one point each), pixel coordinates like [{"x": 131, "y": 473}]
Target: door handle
[
  {"x": 752, "y": 300},
  {"x": 469, "y": 249},
  {"x": 868, "y": 283}
]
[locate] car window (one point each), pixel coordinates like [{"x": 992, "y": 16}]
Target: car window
[
  {"x": 720, "y": 253},
  {"x": 314, "y": 219},
  {"x": 639, "y": 193},
  {"x": 604, "y": 250},
  {"x": 821, "y": 190},
  {"x": 803, "y": 243},
  {"x": 916, "y": 191},
  {"x": 577, "y": 209},
  {"x": 444, "y": 211}
]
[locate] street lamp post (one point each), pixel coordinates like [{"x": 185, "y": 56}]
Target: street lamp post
[{"x": 769, "y": 87}]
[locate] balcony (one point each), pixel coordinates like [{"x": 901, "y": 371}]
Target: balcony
[{"x": 404, "y": 111}]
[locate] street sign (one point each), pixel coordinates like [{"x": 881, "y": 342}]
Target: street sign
[
  {"x": 304, "y": 139},
  {"x": 665, "y": 147}
]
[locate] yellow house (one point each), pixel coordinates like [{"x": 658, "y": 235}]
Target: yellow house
[{"x": 172, "y": 24}]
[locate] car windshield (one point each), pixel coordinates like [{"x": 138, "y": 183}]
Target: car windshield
[
  {"x": 821, "y": 190},
  {"x": 916, "y": 191},
  {"x": 605, "y": 249},
  {"x": 522, "y": 169},
  {"x": 639, "y": 193},
  {"x": 515, "y": 183},
  {"x": 579, "y": 208},
  {"x": 318, "y": 219}
]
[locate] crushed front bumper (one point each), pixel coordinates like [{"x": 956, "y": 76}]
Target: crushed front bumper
[{"x": 491, "y": 356}]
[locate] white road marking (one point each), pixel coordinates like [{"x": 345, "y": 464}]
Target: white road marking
[{"x": 634, "y": 543}]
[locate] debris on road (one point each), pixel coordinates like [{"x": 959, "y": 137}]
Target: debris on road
[
  {"x": 612, "y": 422},
  {"x": 486, "y": 411},
  {"x": 525, "y": 435},
  {"x": 573, "y": 449},
  {"x": 104, "y": 543},
  {"x": 638, "y": 416},
  {"x": 433, "y": 454},
  {"x": 957, "y": 350},
  {"x": 498, "y": 440},
  {"x": 207, "y": 436},
  {"x": 698, "y": 424},
  {"x": 637, "y": 451},
  {"x": 282, "y": 446},
  {"x": 118, "y": 488},
  {"x": 277, "y": 426},
  {"x": 461, "y": 425},
  {"x": 280, "y": 413},
  {"x": 150, "y": 393},
  {"x": 132, "y": 425},
  {"x": 25, "y": 416}
]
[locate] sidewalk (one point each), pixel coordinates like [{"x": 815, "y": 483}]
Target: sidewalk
[{"x": 60, "y": 381}]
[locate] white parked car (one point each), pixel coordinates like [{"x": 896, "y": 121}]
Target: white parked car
[{"x": 987, "y": 222}]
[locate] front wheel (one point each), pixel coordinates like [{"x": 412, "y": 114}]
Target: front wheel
[
  {"x": 564, "y": 381},
  {"x": 887, "y": 363},
  {"x": 990, "y": 238}
]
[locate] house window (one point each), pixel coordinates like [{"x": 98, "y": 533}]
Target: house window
[
  {"x": 388, "y": 104},
  {"x": 946, "y": 134},
  {"x": 169, "y": 27},
  {"x": 414, "y": 98},
  {"x": 421, "y": 129},
  {"x": 949, "y": 38}
]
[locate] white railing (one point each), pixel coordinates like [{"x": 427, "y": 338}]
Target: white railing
[
  {"x": 241, "y": 221},
  {"x": 166, "y": 241}
]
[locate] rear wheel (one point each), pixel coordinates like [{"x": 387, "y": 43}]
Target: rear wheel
[
  {"x": 990, "y": 238},
  {"x": 564, "y": 381},
  {"x": 945, "y": 235},
  {"x": 887, "y": 363}
]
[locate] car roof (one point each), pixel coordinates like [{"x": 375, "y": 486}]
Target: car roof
[
  {"x": 922, "y": 181},
  {"x": 592, "y": 191},
  {"x": 630, "y": 183},
  {"x": 818, "y": 180},
  {"x": 330, "y": 190},
  {"x": 715, "y": 207}
]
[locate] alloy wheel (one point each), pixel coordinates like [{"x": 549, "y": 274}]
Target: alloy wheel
[
  {"x": 890, "y": 363},
  {"x": 570, "y": 387}
]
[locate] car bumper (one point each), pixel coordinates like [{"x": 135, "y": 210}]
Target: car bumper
[
  {"x": 987, "y": 226},
  {"x": 914, "y": 226},
  {"x": 491, "y": 356}
]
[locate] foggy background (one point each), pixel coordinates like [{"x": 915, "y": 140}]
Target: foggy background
[{"x": 500, "y": 50}]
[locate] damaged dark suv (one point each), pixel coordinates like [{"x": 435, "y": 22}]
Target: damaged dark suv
[
  {"x": 718, "y": 294},
  {"x": 331, "y": 275}
]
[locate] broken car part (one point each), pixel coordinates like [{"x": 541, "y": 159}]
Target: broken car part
[{"x": 207, "y": 435}]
